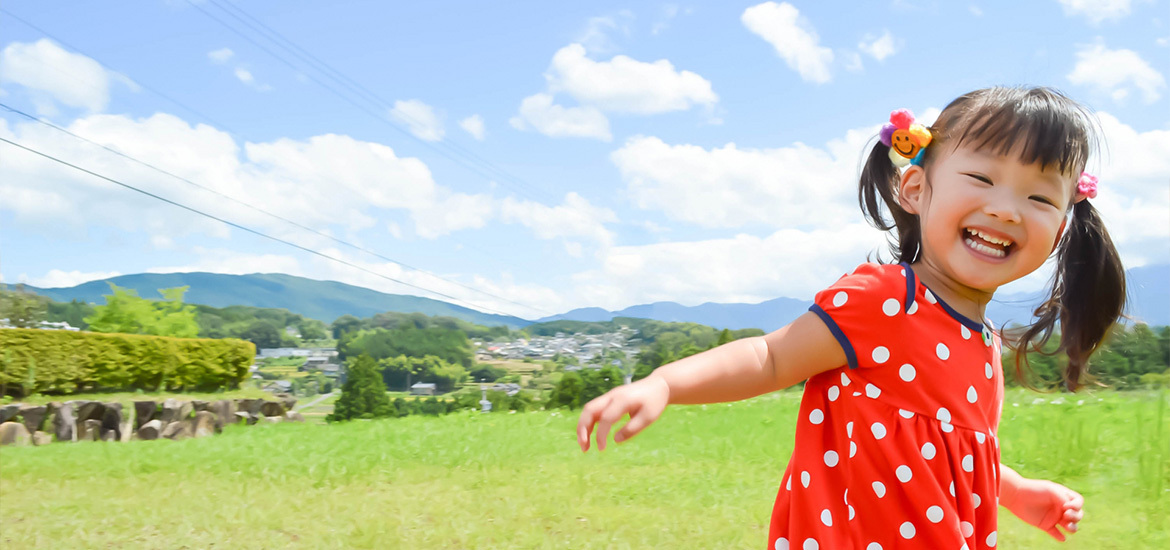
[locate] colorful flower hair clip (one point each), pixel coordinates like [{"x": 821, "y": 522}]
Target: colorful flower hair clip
[
  {"x": 906, "y": 140},
  {"x": 1086, "y": 187}
]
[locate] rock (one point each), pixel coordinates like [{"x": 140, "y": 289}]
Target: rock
[
  {"x": 144, "y": 412},
  {"x": 225, "y": 411},
  {"x": 33, "y": 417},
  {"x": 288, "y": 402},
  {"x": 200, "y": 405},
  {"x": 177, "y": 430},
  {"x": 293, "y": 416},
  {"x": 89, "y": 410},
  {"x": 126, "y": 428},
  {"x": 185, "y": 410},
  {"x": 41, "y": 438},
  {"x": 150, "y": 430},
  {"x": 246, "y": 416},
  {"x": 251, "y": 406},
  {"x": 203, "y": 424},
  {"x": 65, "y": 421},
  {"x": 14, "y": 433},
  {"x": 112, "y": 420},
  {"x": 272, "y": 408},
  {"x": 89, "y": 430},
  {"x": 110, "y": 435},
  {"x": 272, "y": 419},
  {"x": 170, "y": 411},
  {"x": 9, "y": 411}
]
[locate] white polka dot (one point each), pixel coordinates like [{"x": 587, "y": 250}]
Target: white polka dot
[
  {"x": 904, "y": 474},
  {"x": 851, "y": 512},
  {"x": 976, "y": 500},
  {"x": 966, "y": 333},
  {"x": 964, "y": 547},
  {"x": 852, "y": 449},
  {"x": 972, "y": 395},
  {"x": 913, "y": 308},
  {"x": 967, "y": 528},
  {"x": 942, "y": 351},
  {"x": 934, "y": 514},
  {"x": 811, "y": 544},
  {"x": 946, "y": 427},
  {"x": 943, "y": 415},
  {"x": 849, "y": 429},
  {"x": 952, "y": 488},
  {"x": 987, "y": 370},
  {"x": 781, "y": 544},
  {"x": 788, "y": 486},
  {"x": 846, "y": 496},
  {"x": 844, "y": 380},
  {"x": 907, "y": 530},
  {"x": 873, "y": 546},
  {"x": 840, "y": 298},
  {"x": 856, "y": 393},
  {"x": 879, "y": 489},
  {"x": 834, "y": 393},
  {"x": 991, "y": 539},
  {"x": 928, "y": 450},
  {"x": 980, "y": 437},
  {"x": 881, "y": 355},
  {"x": 905, "y": 413},
  {"x": 879, "y": 431},
  {"x": 872, "y": 391},
  {"x": 903, "y": 272},
  {"x": 816, "y": 416},
  {"x": 827, "y": 517},
  {"x": 831, "y": 458},
  {"x": 805, "y": 478},
  {"x": 907, "y": 372},
  {"x": 968, "y": 463},
  {"x": 930, "y": 297},
  {"x": 890, "y": 307}
]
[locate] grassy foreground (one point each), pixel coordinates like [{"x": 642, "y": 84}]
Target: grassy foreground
[{"x": 701, "y": 477}]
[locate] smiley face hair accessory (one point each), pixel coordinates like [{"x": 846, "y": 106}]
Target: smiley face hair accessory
[
  {"x": 906, "y": 140},
  {"x": 1086, "y": 187}
]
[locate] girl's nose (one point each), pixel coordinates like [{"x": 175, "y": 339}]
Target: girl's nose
[{"x": 1003, "y": 208}]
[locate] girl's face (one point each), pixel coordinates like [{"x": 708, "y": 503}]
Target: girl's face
[{"x": 986, "y": 219}]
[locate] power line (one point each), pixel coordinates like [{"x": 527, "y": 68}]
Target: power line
[
  {"x": 248, "y": 229},
  {"x": 261, "y": 210}
]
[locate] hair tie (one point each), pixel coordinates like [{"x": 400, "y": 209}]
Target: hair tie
[
  {"x": 906, "y": 139},
  {"x": 1086, "y": 187}
]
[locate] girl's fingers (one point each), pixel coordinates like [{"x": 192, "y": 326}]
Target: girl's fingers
[
  {"x": 609, "y": 416},
  {"x": 1055, "y": 533},
  {"x": 639, "y": 419},
  {"x": 588, "y": 418},
  {"x": 1073, "y": 515}
]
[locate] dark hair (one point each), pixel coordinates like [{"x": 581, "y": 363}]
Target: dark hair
[{"x": 1039, "y": 125}]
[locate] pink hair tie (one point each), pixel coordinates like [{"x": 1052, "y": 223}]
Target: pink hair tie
[{"x": 1086, "y": 187}]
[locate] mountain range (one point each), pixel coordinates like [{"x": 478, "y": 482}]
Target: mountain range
[{"x": 1149, "y": 300}]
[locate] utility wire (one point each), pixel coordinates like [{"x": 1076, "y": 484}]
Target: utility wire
[
  {"x": 261, "y": 210},
  {"x": 248, "y": 229}
]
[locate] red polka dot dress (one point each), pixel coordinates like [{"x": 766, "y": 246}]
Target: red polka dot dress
[{"x": 896, "y": 449}]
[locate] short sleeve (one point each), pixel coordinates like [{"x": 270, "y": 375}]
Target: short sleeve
[{"x": 865, "y": 311}]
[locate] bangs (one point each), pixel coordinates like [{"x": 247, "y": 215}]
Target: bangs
[{"x": 1038, "y": 125}]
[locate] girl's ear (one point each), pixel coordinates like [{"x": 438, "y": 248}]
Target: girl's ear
[{"x": 912, "y": 190}]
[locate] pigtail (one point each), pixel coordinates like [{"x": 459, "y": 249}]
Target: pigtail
[
  {"x": 1088, "y": 296},
  {"x": 880, "y": 178}
]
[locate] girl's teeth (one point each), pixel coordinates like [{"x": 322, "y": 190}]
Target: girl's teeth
[
  {"x": 989, "y": 238},
  {"x": 986, "y": 249}
]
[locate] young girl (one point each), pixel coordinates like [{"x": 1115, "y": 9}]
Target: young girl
[{"x": 896, "y": 440}]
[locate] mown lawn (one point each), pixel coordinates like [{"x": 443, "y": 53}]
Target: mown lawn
[{"x": 702, "y": 477}]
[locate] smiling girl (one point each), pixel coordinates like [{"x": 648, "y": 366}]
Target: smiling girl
[{"x": 896, "y": 441}]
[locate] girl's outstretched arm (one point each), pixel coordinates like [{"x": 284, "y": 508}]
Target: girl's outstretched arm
[
  {"x": 1040, "y": 503},
  {"x": 731, "y": 372}
]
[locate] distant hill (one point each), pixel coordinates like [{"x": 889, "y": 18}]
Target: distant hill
[{"x": 322, "y": 300}]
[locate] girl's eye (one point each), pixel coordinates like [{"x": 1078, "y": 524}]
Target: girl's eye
[
  {"x": 983, "y": 179},
  {"x": 1043, "y": 200}
]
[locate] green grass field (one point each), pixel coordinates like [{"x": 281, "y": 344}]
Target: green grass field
[{"x": 701, "y": 477}]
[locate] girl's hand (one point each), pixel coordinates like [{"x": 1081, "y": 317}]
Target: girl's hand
[
  {"x": 644, "y": 400},
  {"x": 1046, "y": 504}
]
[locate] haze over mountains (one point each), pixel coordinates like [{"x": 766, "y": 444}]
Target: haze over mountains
[{"x": 1149, "y": 300}]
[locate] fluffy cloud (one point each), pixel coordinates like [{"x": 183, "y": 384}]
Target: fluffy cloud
[
  {"x": 1133, "y": 199},
  {"x": 627, "y": 85},
  {"x": 1114, "y": 72},
  {"x": 57, "y": 278},
  {"x": 220, "y": 56},
  {"x": 880, "y": 47},
  {"x": 541, "y": 114},
  {"x": 575, "y": 218},
  {"x": 1097, "y": 11},
  {"x": 474, "y": 126},
  {"x": 421, "y": 118},
  {"x": 53, "y": 74},
  {"x": 793, "y": 37}
]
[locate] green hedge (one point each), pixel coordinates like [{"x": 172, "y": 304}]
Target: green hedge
[{"x": 67, "y": 362}]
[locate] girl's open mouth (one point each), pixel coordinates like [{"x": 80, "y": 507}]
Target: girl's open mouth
[{"x": 986, "y": 244}]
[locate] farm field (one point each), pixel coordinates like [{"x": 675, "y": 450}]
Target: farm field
[{"x": 701, "y": 477}]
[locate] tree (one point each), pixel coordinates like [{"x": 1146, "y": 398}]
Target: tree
[
  {"x": 312, "y": 329},
  {"x": 567, "y": 393},
  {"x": 364, "y": 393},
  {"x": 126, "y": 312},
  {"x": 263, "y": 334},
  {"x": 22, "y": 309},
  {"x": 345, "y": 323}
]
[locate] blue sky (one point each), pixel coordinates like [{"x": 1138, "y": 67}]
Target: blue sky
[{"x": 551, "y": 155}]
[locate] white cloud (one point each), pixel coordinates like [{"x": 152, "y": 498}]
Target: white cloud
[
  {"x": 575, "y": 218},
  {"x": 57, "y": 278},
  {"x": 596, "y": 36},
  {"x": 53, "y": 74},
  {"x": 1133, "y": 199},
  {"x": 421, "y": 118},
  {"x": 1114, "y": 72},
  {"x": 853, "y": 62},
  {"x": 627, "y": 85},
  {"x": 245, "y": 76},
  {"x": 474, "y": 126},
  {"x": 793, "y": 37},
  {"x": 221, "y": 55},
  {"x": 879, "y": 47},
  {"x": 452, "y": 212},
  {"x": 231, "y": 262},
  {"x": 1097, "y": 11},
  {"x": 975, "y": 10},
  {"x": 538, "y": 112}
]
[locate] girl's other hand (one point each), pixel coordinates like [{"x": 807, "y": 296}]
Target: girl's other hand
[
  {"x": 1048, "y": 505},
  {"x": 644, "y": 400}
]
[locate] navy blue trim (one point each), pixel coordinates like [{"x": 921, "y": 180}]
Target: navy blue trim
[
  {"x": 971, "y": 324},
  {"x": 910, "y": 285},
  {"x": 837, "y": 333}
]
